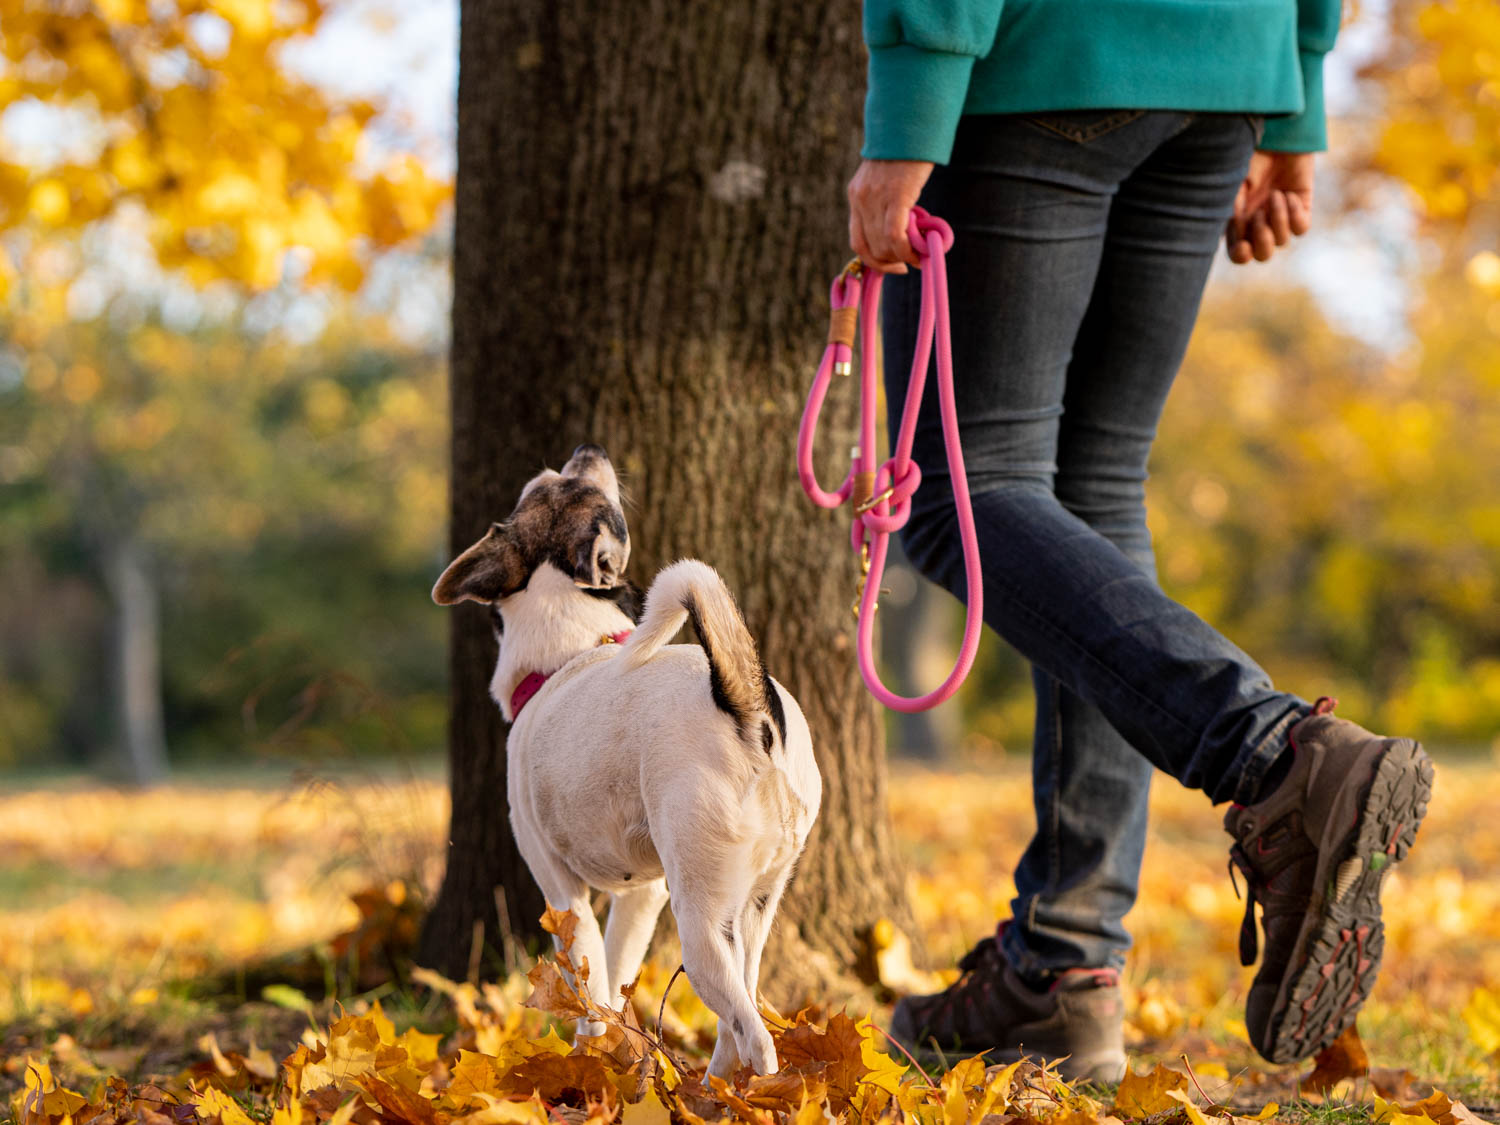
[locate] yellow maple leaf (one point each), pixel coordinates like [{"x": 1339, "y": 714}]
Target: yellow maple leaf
[
  {"x": 1195, "y": 1115},
  {"x": 352, "y": 1050},
  {"x": 1388, "y": 1113},
  {"x": 1141, "y": 1095},
  {"x": 215, "y": 1104},
  {"x": 884, "y": 1072},
  {"x": 647, "y": 1111},
  {"x": 1482, "y": 1016},
  {"x": 997, "y": 1091},
  {"x": 956, "y": 1085},
  {"x": 258, "y": 1061},
  {"x": 43, "y": 1101}
]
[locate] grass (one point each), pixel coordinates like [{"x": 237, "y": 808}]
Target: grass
[{"x": 135, "y": 922}]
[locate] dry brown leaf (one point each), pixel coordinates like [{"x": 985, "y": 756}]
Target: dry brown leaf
[
  {"x": 561, "y": 924},
  {"x": 570, "y": 1079},
  {"x": 832, "y": 1054},
  {"x": 785, "y": 1090},
  {"x": 551, "y": 993},
  {"x": 1342, "y": 1059},
  {"x": 399, "y": 1104}
]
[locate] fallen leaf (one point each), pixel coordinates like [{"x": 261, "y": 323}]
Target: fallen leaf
[
  {"x": 1482, "y": 1015},
  {"x": 398, "y": 1104},
  {"x": 551, "y": 993},
  {"x": 571, "y": 1079},
  {"x": 647, "y": 1111},
  {"x": 215, "y": 1105},
  {"x": 1141, "y": 1095},
  {"x": 1343, "y": 1058},
  {"x": 1195, "y": 1115}
]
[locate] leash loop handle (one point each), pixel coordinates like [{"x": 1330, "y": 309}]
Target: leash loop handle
[{"x": 882, "y": 494}]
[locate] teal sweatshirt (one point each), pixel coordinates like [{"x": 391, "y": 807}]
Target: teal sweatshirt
[{"x": 932, "y": 61}]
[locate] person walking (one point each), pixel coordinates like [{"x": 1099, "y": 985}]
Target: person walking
[{"x": 1089, "y": 155}]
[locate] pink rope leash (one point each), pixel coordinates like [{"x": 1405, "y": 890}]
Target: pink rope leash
[{"x": 881, "y": 496}]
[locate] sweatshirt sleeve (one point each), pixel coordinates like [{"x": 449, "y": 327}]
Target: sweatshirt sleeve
[
  {"x": 921, "y": 56},
  {"x": 1317, "y": 28}
]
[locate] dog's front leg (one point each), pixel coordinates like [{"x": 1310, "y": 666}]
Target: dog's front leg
[{"x": 632, "y": 919}]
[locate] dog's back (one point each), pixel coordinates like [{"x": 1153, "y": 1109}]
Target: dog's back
[
  {"x": 690, "y": 590},
  {"x": 699, "y": 732}
]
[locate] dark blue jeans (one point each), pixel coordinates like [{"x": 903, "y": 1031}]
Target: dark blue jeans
[{"x": 1082, "y": 244}]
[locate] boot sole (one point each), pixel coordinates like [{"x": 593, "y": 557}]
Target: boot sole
[{"x": 1347, "y": 935}]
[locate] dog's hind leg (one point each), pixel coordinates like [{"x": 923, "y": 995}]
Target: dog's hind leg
[
  {"x": 708, "y": 927},
  {"x": 632, "y": 919},
  {"x": 755, "y": 921}
]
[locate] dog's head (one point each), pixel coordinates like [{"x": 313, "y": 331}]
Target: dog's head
[{"x": 570, "y": 519}]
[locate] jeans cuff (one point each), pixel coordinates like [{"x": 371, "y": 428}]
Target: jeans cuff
[
  {"x": 1258, "y": 762},
  {"x": 1034, "y": 969}
]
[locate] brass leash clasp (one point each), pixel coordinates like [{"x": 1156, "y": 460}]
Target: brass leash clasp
[{"x": 864, "y": 577}]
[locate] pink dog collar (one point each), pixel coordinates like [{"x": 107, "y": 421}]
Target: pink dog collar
[{"x": 534, "y": 680}]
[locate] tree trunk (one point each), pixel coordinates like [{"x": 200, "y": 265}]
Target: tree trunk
[
  {"x": 650, "y": 208},
  {"x": 137, "y": 663}
]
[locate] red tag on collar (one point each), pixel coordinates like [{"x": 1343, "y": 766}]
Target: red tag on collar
[{"x": 534, "y": 680}]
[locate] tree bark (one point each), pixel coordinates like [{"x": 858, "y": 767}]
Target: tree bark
[
  {"x": 137, "y": 663},
  {"x": 650, "y": 208}
]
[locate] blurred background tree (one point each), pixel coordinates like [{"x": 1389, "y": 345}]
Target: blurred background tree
[{"x": 221, "y": 454}]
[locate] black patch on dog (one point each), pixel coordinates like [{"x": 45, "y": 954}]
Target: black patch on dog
[
  {"x": 627, "y": 598},
  {"x": 767, "y": 737},
  {"x": 728, "y": 930},
  {"x": 773, "y": 705},
  {"x": 715, "y": 680},
  {"x": 739, "y": 1028},
  {"x": 761, "y": 901}
]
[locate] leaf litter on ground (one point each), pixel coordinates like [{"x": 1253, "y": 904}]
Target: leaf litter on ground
[{"x": 507, "y": 1063}]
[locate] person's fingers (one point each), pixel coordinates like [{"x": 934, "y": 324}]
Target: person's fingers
[
  {"x": 1234, "y": 243},
  {"x": 860, "y": 243},
  {"x": 1299, "y": 214},
  {"x": 1278, "y": 218},
  {"x": 1262, "y": 241},
  {"x": 1241, "y": 197},
  {"x": 884, "y": 242},
  {"x": 896, "y": 218}
]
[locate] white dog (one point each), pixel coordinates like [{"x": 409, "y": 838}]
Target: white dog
[{"x": 637, "y": 765}]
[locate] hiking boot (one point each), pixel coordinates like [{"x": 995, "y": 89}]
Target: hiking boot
[
  {"x": 1314, "y": 854},
  {"x": 990, "y": 1008}
]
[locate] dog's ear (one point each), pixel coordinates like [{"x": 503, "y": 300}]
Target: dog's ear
[
  {"x": 490, "y": 569},
  {"x": 600, "y": 554}
]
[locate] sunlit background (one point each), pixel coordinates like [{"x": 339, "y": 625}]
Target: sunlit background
[{"x": 224, "y": 240}]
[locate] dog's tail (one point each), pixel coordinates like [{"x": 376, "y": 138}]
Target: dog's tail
[{"x": 693, "y": 591}]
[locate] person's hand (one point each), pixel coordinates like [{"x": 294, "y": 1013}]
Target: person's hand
[
  {"x": 881, "y": 197},
  {"x": 1274, "y": 203}
]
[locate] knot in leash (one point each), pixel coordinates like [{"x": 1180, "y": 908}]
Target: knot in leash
[{"x": 880, "y": 494}]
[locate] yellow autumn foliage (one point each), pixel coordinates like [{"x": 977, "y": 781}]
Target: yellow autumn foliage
[{"x": 232, "y": 157}]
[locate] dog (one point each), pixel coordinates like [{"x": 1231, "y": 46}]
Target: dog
[{"x": 635, "y": 765}]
